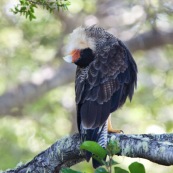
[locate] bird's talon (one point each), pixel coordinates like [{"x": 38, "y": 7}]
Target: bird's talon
[
  {"x": 115, "y": 131},
  {"x": 121, "y": 132}
]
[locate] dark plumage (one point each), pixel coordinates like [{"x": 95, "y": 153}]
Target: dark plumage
[
  {"x": 106, "y": 75},
  {"x": 86, "y": 57}
]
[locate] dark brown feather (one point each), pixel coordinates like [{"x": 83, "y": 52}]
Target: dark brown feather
[
  {"x": 107, "y": 82},
  {"x": 102, "y": 85}
]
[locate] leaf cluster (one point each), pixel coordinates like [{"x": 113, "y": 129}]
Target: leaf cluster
[
  {"x": 27, "y": 7},
  {"x": 100, "y": 153}
]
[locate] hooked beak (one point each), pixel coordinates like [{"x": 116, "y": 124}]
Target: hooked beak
[{"x": 68, "y": 58}]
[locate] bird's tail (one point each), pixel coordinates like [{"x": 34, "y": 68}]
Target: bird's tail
[{"x": 98, "y": 135}]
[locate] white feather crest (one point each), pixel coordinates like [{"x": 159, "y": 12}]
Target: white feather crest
[{"x": 79, "y": 40}]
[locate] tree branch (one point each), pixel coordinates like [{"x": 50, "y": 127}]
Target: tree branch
[
  {"x": 28, "y": 92},
  {"x": 66, "y": 152},
  {"x": 25, "y": 93},
  {"x": 150, "y": 40}
]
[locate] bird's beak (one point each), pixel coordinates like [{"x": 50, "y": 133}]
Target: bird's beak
[{"x": 68, "y": 58}]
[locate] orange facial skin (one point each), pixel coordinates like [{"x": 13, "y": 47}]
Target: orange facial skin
[{"x": 75, "y": 55}]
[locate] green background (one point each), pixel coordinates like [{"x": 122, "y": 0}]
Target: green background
[{"x": 26, "y": 48}]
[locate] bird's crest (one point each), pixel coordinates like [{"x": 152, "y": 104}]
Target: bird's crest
[{"x": 79, "y": 40}]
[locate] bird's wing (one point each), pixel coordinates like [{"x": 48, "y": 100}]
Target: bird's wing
[{"x": 111, "y": 77}]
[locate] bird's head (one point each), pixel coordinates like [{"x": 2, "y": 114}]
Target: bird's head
[{"x": 80, "y": 48}]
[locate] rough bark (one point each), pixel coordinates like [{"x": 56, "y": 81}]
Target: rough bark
[
  {"x": 25, "y": 93},
  {"x": 66, "y": 152}
]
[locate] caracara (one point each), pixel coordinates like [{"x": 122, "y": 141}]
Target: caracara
[{"x": 106, "y": 75}]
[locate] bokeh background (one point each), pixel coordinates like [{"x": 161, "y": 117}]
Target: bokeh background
[{"x": 37, "y": 105}]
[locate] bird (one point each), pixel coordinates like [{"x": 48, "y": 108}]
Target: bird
[{"x": 106, "y": 75}]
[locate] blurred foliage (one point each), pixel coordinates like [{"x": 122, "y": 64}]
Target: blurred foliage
[
  {"x": 26, "y": 47},
  {"x": 27, "y": 7}
]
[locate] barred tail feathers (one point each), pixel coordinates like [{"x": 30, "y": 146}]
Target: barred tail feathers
[
  {"x": 102, "y": 141},
  {"x": 99, "y": 135}
]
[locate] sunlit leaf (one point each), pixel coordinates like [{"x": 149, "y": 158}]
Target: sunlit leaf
[
  {"x": 101, "y": 170},
  {"x": 113, "y": 162},
  {"x": 68, "y": 170},
  {"x": 136, "y": 167},
  {"x": 94, "y": 148},
  {"x": 120, "y": 170},
  {"x": 23, "y": 8},
  {"x": 32, "y": 9},
  {"x": 50, "y": 6}
]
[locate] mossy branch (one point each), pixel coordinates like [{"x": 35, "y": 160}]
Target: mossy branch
[{"x": 65, "y": 152}]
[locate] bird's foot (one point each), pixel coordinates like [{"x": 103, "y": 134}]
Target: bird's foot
[{"x": 111, "y": 130}]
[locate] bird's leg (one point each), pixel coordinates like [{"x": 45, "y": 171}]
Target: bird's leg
[{"x": 110, "y": 129}]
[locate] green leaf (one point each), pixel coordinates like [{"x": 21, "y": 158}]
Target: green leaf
[
  {"x": 32, "y": 9},
  {"x": 26, "y": 14},
  {"x": 23, "y": 9},
  {"x": 26, "y": 8},
  {"x": 101, "y": 170},
  {"x": 94, "y": 148},
  {"x": 113, "y": 147},
  {"x": 30, "y": 17},
  {"x": 16, "y": 9},
  {"x": 22, "y": 2},
  {"x": 113, "y": 162},
  {"x": 34, "y": 5},
  {"x": 68, "y": 170},
  {"x": 97, "y": 158},
  {"x": 136, "y": 167},
  {"x": 120, "y": 170}
]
